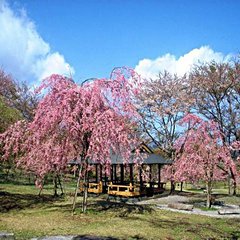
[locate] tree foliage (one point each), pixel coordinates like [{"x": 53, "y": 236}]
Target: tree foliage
[
  {"x": 87, "y": 123},
  {"x": 162, "y": 103},
  {"x": 8, "y": 115},
  {"x": 210, "y": 90},
  {"x": 201, "y": 154},
  {"x": 216, "y": 90},
  {"x": 17, "y": 96}
]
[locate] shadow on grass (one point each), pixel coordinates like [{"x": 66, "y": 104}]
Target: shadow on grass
[
  {"x": 15, "y": 201},
  {"x": 200, "y": 230},
  {"x": 88, "y": 237},
  {"x": 16, "y": 181},
  {"x": 121, "y": 209},
  {"x": 235, "y": 235}
]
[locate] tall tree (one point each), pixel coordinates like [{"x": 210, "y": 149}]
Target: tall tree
[
  {"x": 87, "y": 123},
  {"x": 16, "y": 102},
  {"x": 201, "y": 154},
  {"x": 162, "y": 103},
  {"x": 8, "y": 115},
  {"x": 215, "y": 88},
  {"x": 18, "y": 95}
]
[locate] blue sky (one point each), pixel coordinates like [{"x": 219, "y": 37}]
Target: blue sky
[{"x": 95, "y": 36}]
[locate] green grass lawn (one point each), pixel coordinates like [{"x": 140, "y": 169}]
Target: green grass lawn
[{"x": 27, "y": 215}]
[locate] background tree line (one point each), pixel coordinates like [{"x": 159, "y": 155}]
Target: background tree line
[
  {"x": 211, "y": 91},
  {"x": 17, "y": 101}
]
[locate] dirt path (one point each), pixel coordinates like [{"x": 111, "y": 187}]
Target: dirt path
[
  {"x": 197, "y": 211},
  {"x": 166, "y": 200},
  {"x": 162, "y": 203}
]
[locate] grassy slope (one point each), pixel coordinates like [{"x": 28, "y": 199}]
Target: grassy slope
[{"x": 28, "y": 215}]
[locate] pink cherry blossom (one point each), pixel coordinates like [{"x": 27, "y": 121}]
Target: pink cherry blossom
[
  {"x": 91, "y": 121},
  {"x": 201, "y": 154}
]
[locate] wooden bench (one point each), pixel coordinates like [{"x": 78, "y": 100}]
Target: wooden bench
[
  {"x": 95, "y": 188},
  {"x": 92, "y": 187},
  {"x": 124, "y": 190}
]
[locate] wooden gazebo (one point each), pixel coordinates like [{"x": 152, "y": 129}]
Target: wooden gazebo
[{"x": 127, "y": 180}]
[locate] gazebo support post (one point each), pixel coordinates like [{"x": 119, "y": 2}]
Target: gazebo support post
[
  {"x": 115, "y": 172},
  {"x": 122, "y": 173},
  {"x": 105, "y": 176},
  {"x": 150, "y": 175},
  {"x": 96, "y": 169},
  {"x": 159, "y": 175},
  {"x": 100, "y": 172},
  {"x": 140, "y": 177},
  {"x": 112, "y": 170},
  {"x": 131, "y": 172}
]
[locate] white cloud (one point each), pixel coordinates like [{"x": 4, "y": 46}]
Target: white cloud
[
  {"x": 23, "y": 52},
  {"x": 149, "y": 68}
]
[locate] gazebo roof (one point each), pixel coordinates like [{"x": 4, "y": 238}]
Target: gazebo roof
[{"x": 150, "y": 159}]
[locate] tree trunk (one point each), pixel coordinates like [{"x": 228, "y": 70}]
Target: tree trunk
[
  {"x": 76, "y": 190},
  {"x": 181, "y": 186},
  {"x": 85, "y": 189},
  {"x": 55, "y": 185},
  {"x": 172, "y": 190},
  {"x": 229, "y": 184},
  {"x": 60, "y": 184},
  {"x": 42, "y": 186},
  {"x": 209, "y": 194},
  {"x": 7, "y": 175},
  {"x": 85, "y": 196},
  {"x": 40, "y": 191},
  {"x": 29, "y": 178},
  {"x": 83, "y": 172},
  {"x": 234, "y": 182},
  {"x": 234, "y": 187}
]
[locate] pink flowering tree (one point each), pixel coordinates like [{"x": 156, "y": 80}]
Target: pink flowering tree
[
  {"x": 201, "y": 154},
  {"x": 216, "y": 91},
  {"x": 163, "y": 102},
  {"x": 235, "y": 149},
  {"x": 86, "y": 123}
]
